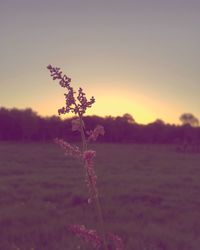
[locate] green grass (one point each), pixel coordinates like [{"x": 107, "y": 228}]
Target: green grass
[{"x": 149, "y": 195}]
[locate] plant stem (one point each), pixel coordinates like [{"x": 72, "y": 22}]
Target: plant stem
[{"x": 95, "y": 195}]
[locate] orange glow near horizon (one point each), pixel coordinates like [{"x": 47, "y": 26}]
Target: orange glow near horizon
[
  {"x": 143, "y": 108},
  {"x": 119, "y": 105},
  {"x": 111, "y": 103}
]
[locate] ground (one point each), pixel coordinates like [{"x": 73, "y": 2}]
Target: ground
[{"x": 149, "y": 196}]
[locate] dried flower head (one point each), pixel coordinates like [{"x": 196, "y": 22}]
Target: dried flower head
[
  {"x": 117, "y": 241},
  {"x": 76, "y": 124},
  {"x": 91, "y": 178},
  {"x": 76, "y": 105},
  {"x": 70, "y": 150},
  {"x": 93, "y": 135},
  {"x": 88, "y": 235}
]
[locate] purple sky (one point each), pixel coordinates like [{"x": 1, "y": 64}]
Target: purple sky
[{"x": 140, "y": 57}]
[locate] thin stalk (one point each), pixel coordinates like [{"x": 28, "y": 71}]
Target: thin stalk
[
  {"x": 98, "y": 210},
  {"x": 84, "y": 143},
  {"x": 95, "y": 195}
]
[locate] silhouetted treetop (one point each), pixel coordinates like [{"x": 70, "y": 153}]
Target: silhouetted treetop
[
  {"x": 127, "y": 117},
  {"x": 190, "y": 119}
]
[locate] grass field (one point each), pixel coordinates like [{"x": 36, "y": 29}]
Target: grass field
[{"x": 150, "y": 197}]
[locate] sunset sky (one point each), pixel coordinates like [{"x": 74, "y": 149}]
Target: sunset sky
[{"x": 139, "y": 57}]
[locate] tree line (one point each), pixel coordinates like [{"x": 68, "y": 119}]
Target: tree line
[{"x": 26, "y": 125}]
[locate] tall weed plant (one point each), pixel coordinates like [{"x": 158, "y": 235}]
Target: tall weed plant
[{"x": 77, "y": 103}]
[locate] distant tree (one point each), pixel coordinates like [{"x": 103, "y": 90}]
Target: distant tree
[
  {"x": 29, "y": 123},
  {"x": 159, "y": 121},
  {"x": 4, "y": 124},
  {"x": 189, "y": 119},
  {"x": 128, "y": 118},
  {"x": 190, "y": 135}
]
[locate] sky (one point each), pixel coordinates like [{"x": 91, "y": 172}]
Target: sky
[{"x": 140, "y": 57}]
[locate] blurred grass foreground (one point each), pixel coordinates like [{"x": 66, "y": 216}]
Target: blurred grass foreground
[{"x": 150, "y": 196}]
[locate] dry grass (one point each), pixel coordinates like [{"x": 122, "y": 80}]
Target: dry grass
[{"x": 149, "y": 194}]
